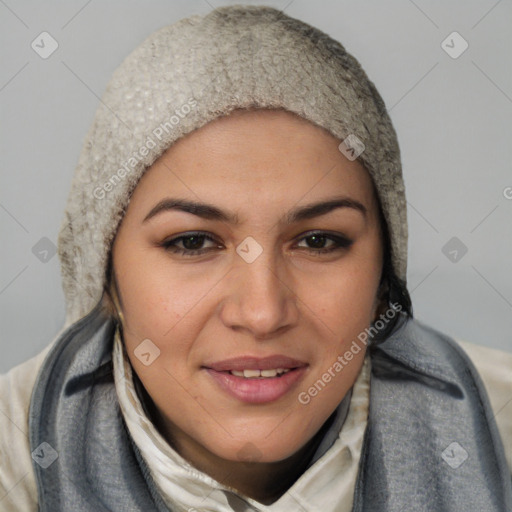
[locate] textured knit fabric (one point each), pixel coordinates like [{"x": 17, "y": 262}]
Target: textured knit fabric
[
  {"x": 327, "y": 485},
  {"x": 187, "y": 74}
]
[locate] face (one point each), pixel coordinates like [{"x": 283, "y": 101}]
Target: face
[{"x": 250, "y": 256}]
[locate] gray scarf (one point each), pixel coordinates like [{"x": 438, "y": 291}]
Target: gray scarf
[{"x": 431, "y": 444}]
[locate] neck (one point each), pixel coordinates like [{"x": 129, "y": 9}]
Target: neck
[{"x": 264, "y": 482}]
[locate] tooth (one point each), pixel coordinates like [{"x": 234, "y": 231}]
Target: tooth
[
  {"x": 237, "y": 373},
  {"x": 269, "y": 373},
  {"x": 251, "y": 373}
]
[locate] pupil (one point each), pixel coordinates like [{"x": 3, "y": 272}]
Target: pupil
[
  {"x": 318, "y": 241},
  {"x": 192, "y": 246}
]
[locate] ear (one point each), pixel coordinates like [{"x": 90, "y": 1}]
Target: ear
[{"x": 110, "y": 298}]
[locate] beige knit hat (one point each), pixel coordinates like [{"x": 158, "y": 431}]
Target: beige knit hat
[{"x": 189, "y": 73}]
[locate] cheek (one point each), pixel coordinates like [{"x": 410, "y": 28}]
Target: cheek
[
  {"x": 158, "y": 295},
  {"x": 343, "y": 295}
]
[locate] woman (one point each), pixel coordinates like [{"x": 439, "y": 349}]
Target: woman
[{"x": 239, "y": 335}]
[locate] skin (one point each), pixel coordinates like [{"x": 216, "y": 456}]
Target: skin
[{"x": 211, "y": 307}]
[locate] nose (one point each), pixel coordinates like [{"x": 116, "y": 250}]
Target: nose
[{"x": 261, "y": 299}]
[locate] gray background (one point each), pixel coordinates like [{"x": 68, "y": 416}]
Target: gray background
[{"x": 453, "y": 117}]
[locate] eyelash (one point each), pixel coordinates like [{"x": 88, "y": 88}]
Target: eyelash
[{"x": 169, "y": 245}]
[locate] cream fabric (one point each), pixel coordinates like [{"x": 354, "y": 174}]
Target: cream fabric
[
  {"x": 495, "y": 369},
  {"x": 18, "y": 490}
]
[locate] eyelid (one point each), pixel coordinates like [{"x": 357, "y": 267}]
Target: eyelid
[
  {"x": 325, "y": 232},
  {"x": 188, "y": 234}
]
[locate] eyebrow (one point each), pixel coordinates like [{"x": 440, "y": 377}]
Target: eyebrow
[{"x": 211, "y": 212}]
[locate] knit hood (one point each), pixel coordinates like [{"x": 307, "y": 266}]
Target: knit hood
[{"x": 188, "y": 74}]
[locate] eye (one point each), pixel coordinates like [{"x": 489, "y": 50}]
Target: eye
[
  {"x": 318, "y": 239},
  {"x": 192, "y": 244}
]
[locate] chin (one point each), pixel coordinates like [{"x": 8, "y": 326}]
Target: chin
[{"x": 257, "y": 450}]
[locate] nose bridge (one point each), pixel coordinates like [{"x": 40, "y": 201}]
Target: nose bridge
[{"x": 260, "y": 300}]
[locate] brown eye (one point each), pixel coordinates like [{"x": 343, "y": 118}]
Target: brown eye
[
  {"x": 192, "y": 244},
  {"x": 317, "y": 240}
]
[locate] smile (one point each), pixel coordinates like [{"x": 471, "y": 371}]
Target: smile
[{"x": 257, "y": 380}]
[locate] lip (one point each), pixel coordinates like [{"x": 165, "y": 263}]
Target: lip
[
  {"x": 257, "y": 390},
  {"x": 255, "y": 363}
]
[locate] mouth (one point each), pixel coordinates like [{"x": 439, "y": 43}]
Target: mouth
[
  {"x": 260, "y": 374},
  {"x": 257, "y": 380}
]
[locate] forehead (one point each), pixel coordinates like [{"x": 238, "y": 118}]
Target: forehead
[{"x": 256, "y": 157}]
